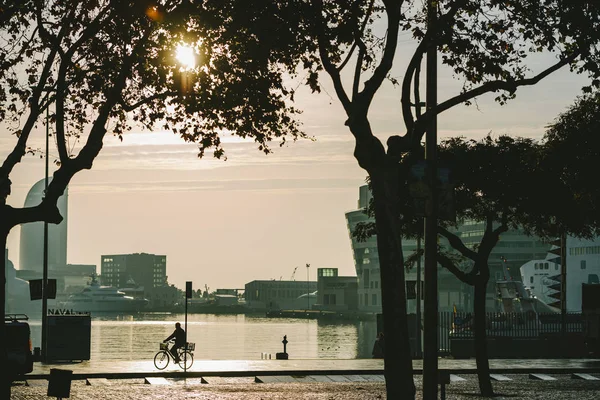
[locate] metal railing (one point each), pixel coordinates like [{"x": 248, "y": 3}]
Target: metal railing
[{"x": 498, "y": 325}]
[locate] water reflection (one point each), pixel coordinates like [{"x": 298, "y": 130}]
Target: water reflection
[{"x": 226, "y": 337}]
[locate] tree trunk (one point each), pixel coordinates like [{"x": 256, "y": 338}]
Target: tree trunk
[
  {"x": 481, "y": 351},
  {"x": 398, "y": 369},
  {"x": 5, "y": 382}
]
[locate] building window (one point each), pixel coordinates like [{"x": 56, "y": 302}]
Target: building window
[
  {"x": 531, "y": 279},
  {"x": 366, "y": 279},
  {"x": 593, "y": 278},
  {"x": 583, "y": 262},
  {"x": 374, "y": 300}
]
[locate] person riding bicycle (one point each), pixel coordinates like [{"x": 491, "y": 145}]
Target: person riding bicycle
[{"x": 179, "y": 336}]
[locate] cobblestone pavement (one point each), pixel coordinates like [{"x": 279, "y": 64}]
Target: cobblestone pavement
[{"x": 520, "y": 387}]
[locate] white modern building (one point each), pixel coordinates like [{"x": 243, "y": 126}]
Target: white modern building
[{"x": 542, "y": 276}]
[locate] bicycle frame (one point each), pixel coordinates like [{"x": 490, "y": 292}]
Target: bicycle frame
[{"x": 164, "y": 356}]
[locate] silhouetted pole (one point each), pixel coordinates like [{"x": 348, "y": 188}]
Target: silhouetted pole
[
  {"x": 188, "y": 295},
  {"x": 44, "y": 350},
  {"x": 418, "y": 349},
  {"x": 430, "y": 354},
  {"x": 307, "y": 288},
  {"x": 418, "y": 346}
]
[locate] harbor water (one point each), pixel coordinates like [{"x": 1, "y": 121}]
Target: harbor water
[{"x": 226, "y": 336}]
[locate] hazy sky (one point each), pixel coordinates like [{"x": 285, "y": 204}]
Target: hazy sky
[{"x": 255, "y": 217}]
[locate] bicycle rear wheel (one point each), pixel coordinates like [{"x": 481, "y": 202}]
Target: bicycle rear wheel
[
  {"x": 161, "y": 360},
  {"x": 189, "y": 360}
]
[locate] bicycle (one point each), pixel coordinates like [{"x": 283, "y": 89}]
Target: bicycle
[{"x": 164, "y": 356}]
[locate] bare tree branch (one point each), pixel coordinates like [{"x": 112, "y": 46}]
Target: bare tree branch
[
  {"x": 362, "y": 30},
  {"x": 457, "y": 243},
  {"x": 414, "y": 67},
  {"x": 20, "y": 147},
  {"x": 449, "y": 265},
  {"x": 411, "y": 70},
  {"x": 358, "y": 70},
  {"x": 487, "y": 87},
  {"x": 327, "y": 64},
  {"x": 61, "y": 89},
  {"x": 393, "y": 11}
]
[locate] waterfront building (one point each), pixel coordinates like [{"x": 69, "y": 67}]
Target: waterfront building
[
  {"x": 148, "y": 271},
  {"x": 162, "y": 298},
  {"x": 542, "y": 277},
  {"x": 31, "y": 244},
  {"x": 513, "y": 249},
  {"x": 226, "y": 297},
  {"x": 280, "y": 295},
  {"x": 336, "y": 293}
]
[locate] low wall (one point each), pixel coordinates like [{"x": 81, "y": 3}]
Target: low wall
[{"x": 573, "y": 346}]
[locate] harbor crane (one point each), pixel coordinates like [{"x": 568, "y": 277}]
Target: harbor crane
[{"x": 293, "y": 274}]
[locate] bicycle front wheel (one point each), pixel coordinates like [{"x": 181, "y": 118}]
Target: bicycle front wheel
[
  {"x": 189, "y": 360},
  {"x": 161, "y": 360}
]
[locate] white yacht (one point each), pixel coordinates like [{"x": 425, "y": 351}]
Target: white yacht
[
  {"x": 542, "y": 278},
  {"x": 99, "y": 298}
]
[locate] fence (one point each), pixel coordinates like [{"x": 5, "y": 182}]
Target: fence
[{"x": 521, "y": 325}]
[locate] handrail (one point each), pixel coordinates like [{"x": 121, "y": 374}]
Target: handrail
[{"x": 15, "y": 317}]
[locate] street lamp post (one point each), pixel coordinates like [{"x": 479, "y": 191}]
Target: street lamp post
[
  {"x": 43, "y": 346},
  {"x": 430, "y": 353}
]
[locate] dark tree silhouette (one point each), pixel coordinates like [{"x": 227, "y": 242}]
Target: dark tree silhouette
[
  {"x": 504, "y": 182},
  {"x": 107, "y": 66},
  {"x": 486, "y": 44}
]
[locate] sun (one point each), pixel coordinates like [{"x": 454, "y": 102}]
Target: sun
[{"x": 186, "y": 57}]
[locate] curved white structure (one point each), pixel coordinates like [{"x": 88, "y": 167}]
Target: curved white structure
[
  {"x": 31, "y": 254},
  {"x": 99, "y": 298}
]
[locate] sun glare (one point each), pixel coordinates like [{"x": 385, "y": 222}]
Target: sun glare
[{"x": 185, "y": 55}]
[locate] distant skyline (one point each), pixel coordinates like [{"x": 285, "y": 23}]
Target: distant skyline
[{"x": 255, "y": 217}]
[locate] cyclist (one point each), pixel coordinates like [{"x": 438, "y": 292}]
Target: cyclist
[{"x": 179, "y": 336}]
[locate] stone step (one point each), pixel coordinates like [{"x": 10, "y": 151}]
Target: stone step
[
  {"x": 456, "y": 378},
  {"x": 541, "y": 377},
  {"x": 97, "y": 381},
  {"x": 500, "y": 378},
  {"x": 156, "y": 381},
  {"x": 586, "y": 377}
]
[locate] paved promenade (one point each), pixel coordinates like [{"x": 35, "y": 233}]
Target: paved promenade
[
  {"x": 132, "y": 369},
  {"x": 304, "y": 379}
]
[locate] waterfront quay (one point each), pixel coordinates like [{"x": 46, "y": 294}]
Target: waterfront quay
[{"x": 307, "y": 379}]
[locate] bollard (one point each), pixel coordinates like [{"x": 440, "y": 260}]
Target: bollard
[
  {"x": 59, "y": 384},
  {"x": 284, "y": 355}
]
